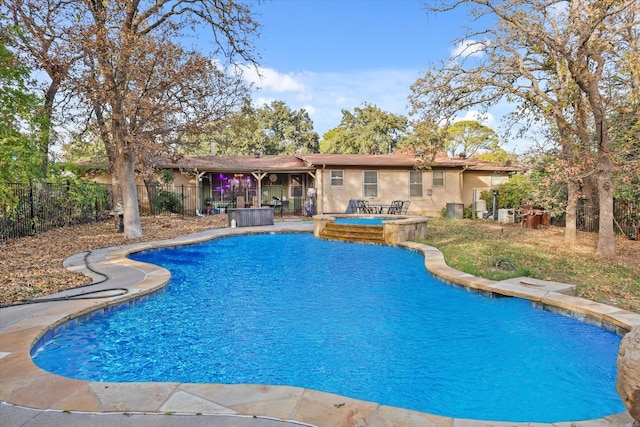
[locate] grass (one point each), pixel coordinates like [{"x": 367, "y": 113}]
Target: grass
[{"x": 499, "y": 252}]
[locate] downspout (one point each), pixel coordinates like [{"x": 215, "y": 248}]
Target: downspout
[
  {"x": 461, "y": 184},
  {"x": 320, "y": 185}
]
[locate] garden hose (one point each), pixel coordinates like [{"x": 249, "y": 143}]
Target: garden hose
[{"x": 82, "y": 295}]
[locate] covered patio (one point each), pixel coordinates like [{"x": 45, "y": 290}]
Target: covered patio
[{"x": 226, "y": 182}]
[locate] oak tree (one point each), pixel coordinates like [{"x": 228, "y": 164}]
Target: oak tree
[
  {"x": 366, "y": 130},
  {"x": 140, "y": 83},
  {"x": 556, "y": 57}
]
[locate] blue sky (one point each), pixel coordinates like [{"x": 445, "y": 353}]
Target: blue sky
[{"x": 329, "y": 55}]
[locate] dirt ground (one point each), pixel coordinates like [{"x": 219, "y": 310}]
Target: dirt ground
[{"x": 31, "y": 267}]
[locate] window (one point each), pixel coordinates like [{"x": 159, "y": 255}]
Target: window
[
  {"x": 497, "y": 179},
  {"x": 438, "y": 178},
  {"x": 415, "y": 183},
  {"x": 337, "y": 178},
  {"x": 370, "y": 184},
  {"x": 295, "y": 186}
]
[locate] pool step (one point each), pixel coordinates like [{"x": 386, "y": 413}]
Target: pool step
[{"x": 353, "y": 233}]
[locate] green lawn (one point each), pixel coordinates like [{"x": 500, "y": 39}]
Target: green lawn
[{"x": 497, "y": 252}]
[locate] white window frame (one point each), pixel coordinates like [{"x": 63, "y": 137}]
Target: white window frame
[
  {"x": 368, "y": 186},
  {"x": 416, "y": 184},
  {"x": 333, "y": 179},
  {"x": 296, "y": 190},
  {"x": 437, "y": 183}
]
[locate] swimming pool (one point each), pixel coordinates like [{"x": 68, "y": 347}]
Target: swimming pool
[{"x": 268, "y": 313}]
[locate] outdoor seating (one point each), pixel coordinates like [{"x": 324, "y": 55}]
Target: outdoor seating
[
  {"x": 405, "y": 206},
  {"x": 363, "y": 207},
  {"x": 352, "y": 207},
  {"x": 277, "y": 205},
  {"x": 395, "y": 208}
]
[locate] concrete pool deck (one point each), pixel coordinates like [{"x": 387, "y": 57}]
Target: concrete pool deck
[{"x": 31, "y": 396}]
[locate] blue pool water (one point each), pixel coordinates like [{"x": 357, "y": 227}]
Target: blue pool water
[
  {"x": 362, "y": 220},
  {"x": 364, "y": 321}
]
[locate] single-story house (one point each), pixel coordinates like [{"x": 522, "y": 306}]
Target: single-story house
[{"x": 329, "y": 181}]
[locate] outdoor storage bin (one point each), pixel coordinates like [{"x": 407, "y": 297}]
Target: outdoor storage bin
[{"x": 249, "y": 217}]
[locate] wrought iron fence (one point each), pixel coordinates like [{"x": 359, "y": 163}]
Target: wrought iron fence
[
  {"x": 38, "y": 207},
  {"x": 173, "y": 199},
  {"x": 626, "y": 217}
]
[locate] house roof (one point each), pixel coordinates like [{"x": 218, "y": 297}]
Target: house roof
[
  {"x": 237, "y": 163},
  {"x": 311, "y": 162},
  {"x": 400, "y": 161}
]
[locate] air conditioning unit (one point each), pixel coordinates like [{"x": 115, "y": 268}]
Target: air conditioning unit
[{"x": 506, "y": 216}]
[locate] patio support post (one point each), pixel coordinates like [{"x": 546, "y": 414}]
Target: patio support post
[
  {"x": 199, "y": 176},
  {"x": 258, "y": 175}
]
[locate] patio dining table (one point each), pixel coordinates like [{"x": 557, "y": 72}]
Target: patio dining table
[{"x": 379, "y": 209}]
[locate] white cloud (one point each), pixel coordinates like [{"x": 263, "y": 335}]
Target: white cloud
[
  {"x": 272, "y": 80},
  {"x": 325, "y": 95},
  {"x": 261, "y": 100},
  {"x": 468, "y": 48},
  {"x": 309, "y": 109},
  {"x": 486, "y": 119}
]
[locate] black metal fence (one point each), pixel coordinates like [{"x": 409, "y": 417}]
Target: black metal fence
[
  {"x": 38, "y": 207},
  {"x": 174, "y": 199},
  {"x": 626, "y": 217}
]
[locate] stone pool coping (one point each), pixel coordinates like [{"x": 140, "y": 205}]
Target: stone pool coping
[{"x": 24, "y": 384}]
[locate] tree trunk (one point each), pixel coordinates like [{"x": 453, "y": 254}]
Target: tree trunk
[
  {"x": 116, "y": 190},
  {"x": 125, "y": 165},
  {"x": 570, "y": 225},
  {"x": 606, "y": 237},
  {"x": 45, "y": 133}
]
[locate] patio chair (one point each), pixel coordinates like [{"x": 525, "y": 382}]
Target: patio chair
[
  {"x": 363, "y": 207},
  {"x": 405, "y": 207},
  {"x": 395, "y": 208},
  {"x": 352, "y": 208}
]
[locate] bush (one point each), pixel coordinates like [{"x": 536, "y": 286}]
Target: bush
[
  {"x": 167, "y": 201},
  {"x": 518, "y": 190}
]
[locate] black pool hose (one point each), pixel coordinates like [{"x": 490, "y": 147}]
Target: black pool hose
[{"x": 82, "y": 295}]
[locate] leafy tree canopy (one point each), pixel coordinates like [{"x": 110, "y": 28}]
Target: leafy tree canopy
[
  {"x": 497, "y": 155},
  {"x": 468, "y": 138},
  {"x": 20, "y": 159},
  {"x": 366, "y": 130},
  {"x": 272, "y": 129}
]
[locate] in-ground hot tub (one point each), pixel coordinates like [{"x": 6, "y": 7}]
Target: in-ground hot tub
[{"x": 399, "y": 228}]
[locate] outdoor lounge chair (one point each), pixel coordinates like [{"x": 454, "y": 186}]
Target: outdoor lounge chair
[
  {"x": 395, "y": 208},
  {"x": 352, "y": 208},
  {"x": 363, "y": 207},
  {"x": 405, "y": 207}
]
